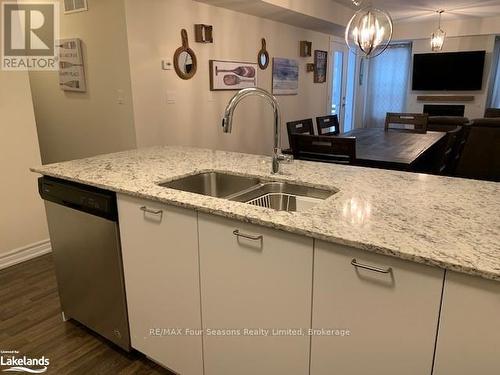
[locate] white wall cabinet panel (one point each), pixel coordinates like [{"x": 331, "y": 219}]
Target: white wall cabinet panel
[
  {"x": 160, "y": 258},
  {"x": 392, "y": 317},
  {"x": 265, "y": 283},
  {"x": 469, "y": 330}
]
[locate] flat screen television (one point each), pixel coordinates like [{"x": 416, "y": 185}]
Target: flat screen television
[{"x": 450, "y": 71}]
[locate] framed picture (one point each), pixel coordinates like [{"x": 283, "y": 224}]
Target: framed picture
[
  {"x": 71, "y": 70},
  {"x": 285, "y": 76},
  {"x": 320, "y": 66},
  {"x": 231, "y": 75},
  {"x": 305, "y": 48}
]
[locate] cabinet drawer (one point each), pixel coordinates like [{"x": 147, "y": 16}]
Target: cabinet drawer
[
  {"x": 253, "y": 277},
  {"x": 390, "y": 308},
  {"x": 160, "y": 257}
]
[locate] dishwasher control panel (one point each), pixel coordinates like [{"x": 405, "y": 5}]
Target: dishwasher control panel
[{"x": 78, "y": 196}]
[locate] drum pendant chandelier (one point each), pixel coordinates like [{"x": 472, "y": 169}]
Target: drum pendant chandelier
[{"x": 369, "y": 32}]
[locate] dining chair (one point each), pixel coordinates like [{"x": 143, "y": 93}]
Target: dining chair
[
  {"x": 446, "y": 156},
  {"x": 299, "y": 127},
  {"x": 339, "y": 150},
  {"x": 492, "y": 113},
  {"x": 328, "y": 125},
  {"x": 412, "y": 122}
]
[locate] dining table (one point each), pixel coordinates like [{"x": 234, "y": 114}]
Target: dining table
[{"x": 395, "y": 149}]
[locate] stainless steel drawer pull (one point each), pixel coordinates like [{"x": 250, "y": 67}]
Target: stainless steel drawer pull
[
  {"x": 371, "y": 268},
  {"x": 237, "y": 233},
  {"x": 150, "y": 211}
]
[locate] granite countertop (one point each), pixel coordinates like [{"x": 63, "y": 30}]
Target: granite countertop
[{"x": 445, "y": 222}]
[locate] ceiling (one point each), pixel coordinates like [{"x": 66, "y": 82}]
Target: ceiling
[
  {"x": 423, "y": 10},
  {"x": 267, "y": 9}
]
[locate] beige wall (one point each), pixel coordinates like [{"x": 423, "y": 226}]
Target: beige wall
[
  {"x": 473, "y": 109},
  {"x": 325, "y": 16},
  {"x": 195, "y": 118},
  {"x": 22, "y": 216},
  {"x": 75, "y": 125}
]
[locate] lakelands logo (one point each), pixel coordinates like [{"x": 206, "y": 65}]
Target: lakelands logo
[
  {"x": 29, "y": 32},
  {"x": 16, "y": 363}
]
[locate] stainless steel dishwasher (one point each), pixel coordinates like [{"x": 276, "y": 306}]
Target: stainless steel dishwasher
[{"x": 83, "y": 226}]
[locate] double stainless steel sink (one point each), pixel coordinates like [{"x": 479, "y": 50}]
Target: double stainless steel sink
[{"x": 281, "y": 196}]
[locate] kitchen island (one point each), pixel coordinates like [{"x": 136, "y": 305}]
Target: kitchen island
[
  {"x": 302, "y": 271},
  {"x": 446, "y": 222}
]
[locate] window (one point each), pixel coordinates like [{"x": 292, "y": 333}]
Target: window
[
  {"x": 494, "y": 101},
  {"x": 388, "y": 76}
]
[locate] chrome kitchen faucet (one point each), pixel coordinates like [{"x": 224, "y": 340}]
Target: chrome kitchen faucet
[{"x": 227, "y": 121}]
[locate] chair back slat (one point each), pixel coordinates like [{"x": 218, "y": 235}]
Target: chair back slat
[
  {"x": 299, "y": 127},
  {"x": 328, "y": 125},
  {"x": 341, "y": 150},
  {"x": 414, "y": 122}
]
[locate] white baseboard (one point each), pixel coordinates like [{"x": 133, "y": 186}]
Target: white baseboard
[{"x": 25, "y": 253}]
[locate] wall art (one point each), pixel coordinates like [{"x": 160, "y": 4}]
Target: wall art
[
  {"x": 71, "y": 70},
  {"x": 305, "y": 48},
  {"x": 285, "y": 76},
  {"x": 185, "y": 61},
  {"x": 320, "y": 66},
  {"x": 263, "y": 56},
  {"x": 232, "y": 75},
  {"x": 203, "y": 33}
]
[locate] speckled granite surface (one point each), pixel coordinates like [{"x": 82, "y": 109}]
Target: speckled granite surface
[{"x": 445, "y": 222}]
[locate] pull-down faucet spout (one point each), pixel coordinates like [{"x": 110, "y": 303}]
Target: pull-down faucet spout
[{"x": 227, "y": 121}]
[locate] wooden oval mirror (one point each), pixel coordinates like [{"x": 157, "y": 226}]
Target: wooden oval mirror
[
  {"x": 263, "y": 56},
  {"x": 185, "y": 63}
]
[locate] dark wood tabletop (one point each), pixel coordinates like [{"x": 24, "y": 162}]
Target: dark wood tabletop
[{"x": 393, "y": 149}]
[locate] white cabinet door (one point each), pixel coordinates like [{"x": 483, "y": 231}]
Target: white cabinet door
[
  {"x": 469, "y": 329},
  {"x": 160, "y": 258},
  {"x": 260, "y": 283},
  {"x": 392, "y": 317}
]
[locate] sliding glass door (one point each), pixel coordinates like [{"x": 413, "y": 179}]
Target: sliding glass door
[
  {"x": 341, "y": 96},
  {"x": 388, "y": 78}
]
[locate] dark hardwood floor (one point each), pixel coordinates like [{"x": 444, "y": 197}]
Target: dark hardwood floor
[{"x": 31, "y": 323}]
